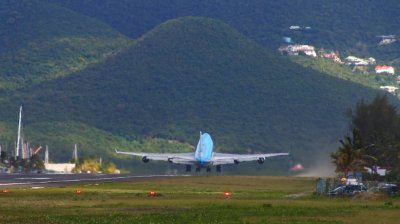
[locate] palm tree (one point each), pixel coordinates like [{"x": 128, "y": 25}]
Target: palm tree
[{"x": 350, "y": 155}]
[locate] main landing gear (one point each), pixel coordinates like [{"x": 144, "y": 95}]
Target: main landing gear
[{"x": 218, "y": 169}]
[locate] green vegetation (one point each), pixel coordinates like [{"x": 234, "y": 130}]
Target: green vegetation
[
  {"x": 350, "y": 155},
  {"x": 61, "y": 138},
  {"x": 337, "y": 70},
  {"x": 80, "y": 81},
  {"x": 375, "y": 140},
  {"x": 94, "y": 165},
  {"x": 348, "y": 26},
  {"x": 193, "y": 200},
  {"x": 40, "y": 42},
  {"x": 47, "y": 60},
  {"x": 193, "y": 74},
  {"x": 345, "y": 72}
]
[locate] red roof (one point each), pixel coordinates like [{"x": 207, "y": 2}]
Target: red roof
[{"x": 383, "y": 67}]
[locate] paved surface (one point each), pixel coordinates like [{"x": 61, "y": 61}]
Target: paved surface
[{"x": 42, "y": 180}]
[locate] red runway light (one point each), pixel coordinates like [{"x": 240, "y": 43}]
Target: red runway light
[
  {"x": 78, "y": 191},
  {"x": 227, "y": 194},
  {"x": 5, "y": 191},
  {"x": 152, "y": 193}
]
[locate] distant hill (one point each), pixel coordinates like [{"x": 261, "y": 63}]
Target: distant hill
[
  {"x": 42, "y": 41},
  {"x": 197, "y": 74},
  {"x": 349, "y": 26}
]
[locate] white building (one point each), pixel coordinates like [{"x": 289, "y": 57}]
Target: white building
[
  {"x": 351, "y": 60},
  {"x": 59, "y": 167},
  {"x": 294, "y": 27},
  {"x": 296, "y": 49},
  {"x": 390, "y": 89},
  {"x": 377, "y": 170},
  {"x": 386, "y": 39}
]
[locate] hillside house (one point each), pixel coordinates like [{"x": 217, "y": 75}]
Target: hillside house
[
  {"x": 390, "y": 89},
  {"x": 384, "y": 69},
  {"x": 298, "y": 49},
  {"x": 294, "y": 28},
  {"x": 333, "y": 56},
  {"x": 300, "y": 28},
  {"x": 386, "y": 39},
  {"x": 351, "y": 60}
]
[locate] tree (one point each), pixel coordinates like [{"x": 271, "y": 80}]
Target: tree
[
  {"x": 109, "y": 168},
  {"x": 36, "y": 163},
  {"x": 378, "y": 125},
  {"x": 376, "y": 121},
  {"x": 349, "y": 156},
  {"x": 91, "y": 165}
]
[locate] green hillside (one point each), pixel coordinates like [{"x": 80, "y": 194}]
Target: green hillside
[
  {"x": 41, "y": 41},
  {"x": 348, "y": 26},
  {"x": 345, "y": 72},
  {"x": 196, "y": 74}
]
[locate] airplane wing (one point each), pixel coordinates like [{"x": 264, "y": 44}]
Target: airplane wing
[
  {"x": 179, "y": 158},
  {"x": 225, "y": 158}
]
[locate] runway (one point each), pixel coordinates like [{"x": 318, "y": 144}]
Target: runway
[{"x": 46, "y": 180}]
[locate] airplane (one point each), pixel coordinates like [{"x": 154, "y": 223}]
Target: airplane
[{"x": 203, "y": 157}]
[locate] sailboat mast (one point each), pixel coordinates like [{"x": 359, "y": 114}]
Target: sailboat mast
[
  {"x": 46, "y": 155},
  {"x": 19, "y": 132},
  {"x": 75, "y": 154}
]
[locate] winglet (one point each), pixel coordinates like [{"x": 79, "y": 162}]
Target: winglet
[
  {"x": 200, "y": 134},
  {"x": 116, "y": 151}
]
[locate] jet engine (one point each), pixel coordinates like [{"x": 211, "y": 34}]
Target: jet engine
[
  {"x": 261, "y": 160},
  {"x": 145, "y": 159},
  {"x": 236, "y": 161}
]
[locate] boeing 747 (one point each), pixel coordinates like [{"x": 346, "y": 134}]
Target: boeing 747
[{"x": 203, "y": 157}]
